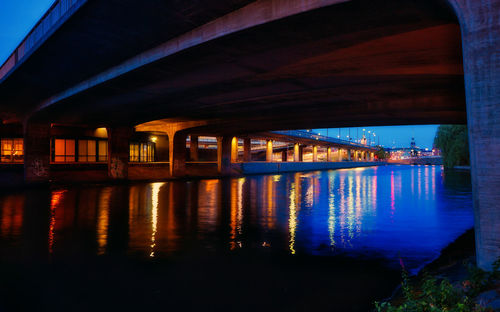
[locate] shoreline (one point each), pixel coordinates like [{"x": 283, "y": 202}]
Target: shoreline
[{"x": 451, "y": 263}]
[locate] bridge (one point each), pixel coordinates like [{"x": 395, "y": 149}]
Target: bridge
[{"x": 232, "y": 68}]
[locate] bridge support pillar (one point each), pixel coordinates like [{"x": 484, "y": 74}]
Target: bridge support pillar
[
  {"x": 118, "y": 151},
  {"x": 269, "y": 150},
  {"x": 177, "y": 153},
  {"x": 349, "y": 155},
  {"x": 247, "y": 150},
  {"x": 36, "y": 152},
  {"x": 296, "y": 152},
  {"x": 329, "y": 154},
  {"x": 315, "y": 153},
  {"x": 284, "y": 156},
  {"x": 340, "y": 154},
  {"x": 224, "y": 155},
  {"x": 481, "y": 43},
  {"x": 234, "y": 150},
  {"x": 193, "y": 148}
]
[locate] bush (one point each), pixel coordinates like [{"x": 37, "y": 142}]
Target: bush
[{"x": 431, "y": 294}]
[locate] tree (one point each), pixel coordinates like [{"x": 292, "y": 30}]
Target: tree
[
  {"x": 381, "y": 153},
  {"x": 453, "y": 141}
]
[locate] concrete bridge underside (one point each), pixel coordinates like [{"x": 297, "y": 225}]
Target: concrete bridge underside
[{"x": 271, "y": 64}]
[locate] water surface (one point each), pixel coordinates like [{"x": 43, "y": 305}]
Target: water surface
[
  {"x": 377, "y": 213},
  {"x": 370, "y": 212}
]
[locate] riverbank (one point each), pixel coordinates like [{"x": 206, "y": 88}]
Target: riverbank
[
  {"x": 250, "y": 168},
  {"x": 454, "y": 264},
  {"x": 12, "y": 176}
]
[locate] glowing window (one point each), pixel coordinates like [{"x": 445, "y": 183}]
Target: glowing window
[
  {"x": 64, "y": 150},
  {"x": 12, "y": 150},
  {"x": 142, "y": 152},
  {"x": 103, "y": 151},
  {"x": 87, "y": 151}
]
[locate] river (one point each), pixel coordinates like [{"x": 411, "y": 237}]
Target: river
[{"x": 361, "y": 219}]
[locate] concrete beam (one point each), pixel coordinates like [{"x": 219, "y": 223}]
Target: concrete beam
[{"x": 254, "y": 14}]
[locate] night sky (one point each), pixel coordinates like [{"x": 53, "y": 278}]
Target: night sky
[{"x": 17, "y": 17}]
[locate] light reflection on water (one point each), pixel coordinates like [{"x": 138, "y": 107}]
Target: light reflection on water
[{"x": 371, "y": 212}]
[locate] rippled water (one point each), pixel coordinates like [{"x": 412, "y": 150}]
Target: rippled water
[{"x": 378, "y": 212}]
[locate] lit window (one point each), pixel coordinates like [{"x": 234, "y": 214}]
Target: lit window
[
  {"x": 64, "y": 150},
  {"x": 70, "y": 150},
  {"x": 103, "y": 151},
  {"x": 87, "y": 151},
  {"x": 134, "y": 152},
  {"x": 12, "y": 150},
  {"x": 142, "y": 152}
]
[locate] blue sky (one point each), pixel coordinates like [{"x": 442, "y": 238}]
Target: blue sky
[
  {"x": 17, "y": 17},
  {"x": 391, "y": 136}
]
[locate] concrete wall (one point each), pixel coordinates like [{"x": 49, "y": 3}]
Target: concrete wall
[
  {"x": 148, "y": 171},
  {"x": 79, "y": 172},
  {"x": 277, "y": 167}
]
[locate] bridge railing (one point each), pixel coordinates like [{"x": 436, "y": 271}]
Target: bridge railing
[
  {"x": 312, "y": 136},
  {"x": 50, "y": 21}
]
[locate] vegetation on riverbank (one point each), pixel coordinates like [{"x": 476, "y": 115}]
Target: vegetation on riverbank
[
  {"x": 381, "y": 153},
  {"x": 429, "y": 294},
  {"x": 453, "y": 141}
]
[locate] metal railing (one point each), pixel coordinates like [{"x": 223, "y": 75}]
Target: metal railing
[
  {"x": 317, "y": 137},
  {"x": 50, "y": 21}
]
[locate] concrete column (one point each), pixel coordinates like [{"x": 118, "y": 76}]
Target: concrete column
[
  {"x": 479, "y": 21},
  {"x": 340, "y": 154},
  {"x": 296, "y": 152},
  {"x": 349, "y": 155},
  {"x": 315, "y": 153},
  {"x": 269, "y": 150},
  {"x": 329, "y": 154},
  {"x": 36, "y": 152},
  {"x": 247, "y": 150},
  {"x": 234, "y": 150},
  {"x": 193, "y": 148},
  {"x": 301, "y": 152},
  {"x": 119, "y": 151},
  {"x": 224, "y": 155},
  {"x": 284, "y": 156},
  {"x": 177, "y": 153}
]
